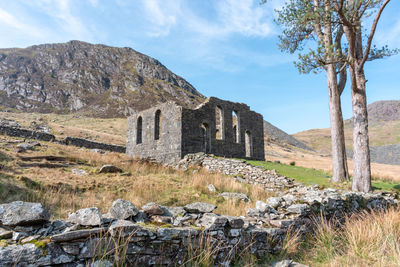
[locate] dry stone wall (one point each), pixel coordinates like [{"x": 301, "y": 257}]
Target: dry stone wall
[
  {"x": 79, "y": 142},
  {"x": 24, "y": 133},
  {"x": 156, "y": 235}
]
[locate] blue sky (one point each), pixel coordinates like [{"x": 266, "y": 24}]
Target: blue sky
[{"x": 225, "y": 48}]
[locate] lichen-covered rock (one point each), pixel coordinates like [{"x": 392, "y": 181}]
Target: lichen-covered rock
[
  {"x": 300, "y": 209},
  {"x": 109, "y": 169},
  {"x": 122, "y": 210},
  {"x": 200, "y": 207},
  {"x": 23, "y": 213},
  {"x": 87, "y": 217},
  {"x": 274, "y": 202},
  {"x": 212, "y": 221},
  {"x": 264, "y": 208}
]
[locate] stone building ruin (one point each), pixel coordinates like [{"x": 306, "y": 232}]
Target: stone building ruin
[{"x": 168, "y": 131}]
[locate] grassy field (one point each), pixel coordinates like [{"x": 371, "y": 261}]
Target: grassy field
[
  {"x": 319, "y": 177},
  {"x": 112, "y": 131},
  {"x": 54, "y": 184}
]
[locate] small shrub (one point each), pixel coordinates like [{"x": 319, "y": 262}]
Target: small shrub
[{"x": 292, "y": 163}]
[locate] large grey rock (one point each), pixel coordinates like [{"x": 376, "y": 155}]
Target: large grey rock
[
  {"x": 87, "y": 217},
  {"x": 23, "y": 213},
  {"x": 212, "y": 221},
  {"x": 200, "y": 207},
  {"x": 17, "y": 255},
  {"x": 122, "y": 210},
  {"x": 109, "y": 169},
  {"x": 152, "y": 209}
]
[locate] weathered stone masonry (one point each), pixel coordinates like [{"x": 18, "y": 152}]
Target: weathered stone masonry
[{"x": 168, "y": 132}]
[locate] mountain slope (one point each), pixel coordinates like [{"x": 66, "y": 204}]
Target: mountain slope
[
  {"x": 384, "y": 133},
  {"x": 96, "y": 80}
]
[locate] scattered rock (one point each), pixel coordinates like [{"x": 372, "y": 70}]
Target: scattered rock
[
  {"x": 122, "y": 210},
  {"x": 87, "y": 217},
  {"x": 23, "y": 213},
  {"x": 79, "y": 172},
  {"x": 235, "y": 196},
  {"x": 200, "y": 207},
  {"x": 109, "y": 169},
  {"x": 211, "y": 188}
]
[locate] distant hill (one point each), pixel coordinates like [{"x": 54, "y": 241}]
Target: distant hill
[
  {"x": 95, "y": 80},
  {"x": 387, "y": 110},
  {"x": 384, "y": 133}
]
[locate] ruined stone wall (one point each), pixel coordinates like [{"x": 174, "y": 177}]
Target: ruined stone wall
[
  {"x": 80, "y": 142},
  {"x": 193, "y": 136},
  {"x": 24, "y": 133},
  {"x": 167, "y": 148}
]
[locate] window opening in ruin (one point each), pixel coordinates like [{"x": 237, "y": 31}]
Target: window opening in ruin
[
  {"x": 219, "y": 123},
  {"x": 157, "y": 125},
  {"x": 206, "y": 137},
  {"x": 249, "y": 145},
  {"x": 235, "y": 125},
  {"x": 139, "y": 131}
]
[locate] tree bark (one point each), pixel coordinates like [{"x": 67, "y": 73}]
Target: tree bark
[
  {"x": 339, "y": 158},
  {"x": 361, "y": 153}
]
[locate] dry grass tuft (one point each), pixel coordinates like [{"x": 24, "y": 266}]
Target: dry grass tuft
[
  {"x": 62, "y": 191},
  {"x": 366, "y": 239}
]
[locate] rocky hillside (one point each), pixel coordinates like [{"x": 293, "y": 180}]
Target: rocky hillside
[
  {"x": 95, "y": 80},
  {"x": 387, "y": 110}
]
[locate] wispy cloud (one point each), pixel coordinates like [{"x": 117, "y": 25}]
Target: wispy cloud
[
  {"x": 18, "y": 24},
  {"x": 162, "y": 15}
]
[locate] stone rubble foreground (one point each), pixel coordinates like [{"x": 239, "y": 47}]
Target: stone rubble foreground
[{"x": 168, "y": 236}]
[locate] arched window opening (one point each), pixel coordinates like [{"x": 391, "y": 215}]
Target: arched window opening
[
  {"x": 206, "y": 138},
  {"x": 235, "y": 125},
  {"x": 219, "y": 123},
  {"x": 249, "y": 145},
  {"x": 139, "y": 131},
  {"x": 157, "y": 121}
]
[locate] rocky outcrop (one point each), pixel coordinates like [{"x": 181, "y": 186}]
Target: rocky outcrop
[
  {"x": 97, "y": 80},
  {"x": 275, "y": 135}
]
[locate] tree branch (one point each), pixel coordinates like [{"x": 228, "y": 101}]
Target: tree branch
[{"x": 371, "y": 35}]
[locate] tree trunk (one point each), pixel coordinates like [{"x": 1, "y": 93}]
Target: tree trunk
[
  {"x": 339, "y": 158},
  {"x": 361, "y": 155}
]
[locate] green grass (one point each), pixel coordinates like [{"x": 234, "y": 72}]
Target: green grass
[{"x": 319, "y": 177}]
